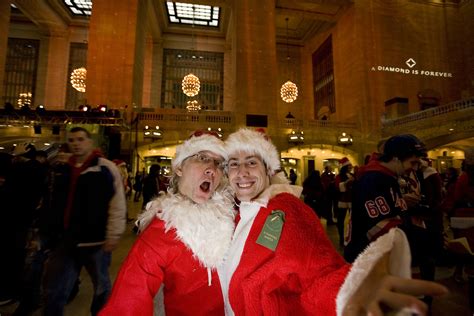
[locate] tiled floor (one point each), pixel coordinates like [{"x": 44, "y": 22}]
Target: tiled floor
[{"x": 455, "y": 303}]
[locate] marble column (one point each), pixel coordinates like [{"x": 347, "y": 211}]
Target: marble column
[
  {"x": 116, "y": 53},
  {"x": 254, "y": 59}
]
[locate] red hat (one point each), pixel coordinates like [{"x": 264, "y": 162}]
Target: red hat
[
  {"x": 198, "y": 141},
  {"x": 344, "y": 162}
]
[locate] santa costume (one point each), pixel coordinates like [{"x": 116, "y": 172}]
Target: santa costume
[
  {"x": 179, "y": 249},
  {"x": 299, "y": 272}
]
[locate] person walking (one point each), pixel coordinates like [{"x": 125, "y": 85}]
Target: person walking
[
  {"x": 151, "y": 185},
  {"x": 88, "y": 220}
]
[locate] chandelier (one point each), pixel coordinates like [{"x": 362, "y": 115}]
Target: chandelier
[
  {"x": 190, "y": 85},
  {"x": 289, "y": 90},
  {"x": 193, "y": 106},
  {"x": 24, "y": 99},
  {"x": 78, "y": 79}
]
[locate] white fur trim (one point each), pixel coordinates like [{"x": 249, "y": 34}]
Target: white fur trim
[
  {"x": 196, "y": 144},
  {"x": 394, "y": 242},
  {"x": 206, "y": 229},
  {"x": 247, "y": 140}
]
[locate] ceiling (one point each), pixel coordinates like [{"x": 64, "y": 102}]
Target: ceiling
[{"x": 305, "y": 17}]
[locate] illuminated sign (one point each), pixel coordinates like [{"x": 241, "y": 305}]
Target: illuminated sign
[{"x": 411, "y": 63}]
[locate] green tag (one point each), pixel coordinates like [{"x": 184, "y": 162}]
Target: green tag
[{"x": 271, "y": 231}]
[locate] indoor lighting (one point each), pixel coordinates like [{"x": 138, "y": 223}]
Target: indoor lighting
[
  {"x": 344, "y": 139},
  {"x": 156, "y": 133},
  {"x": 296, "y": 137},
  {"x": 78, "y": 79},
  {"x": 193, "y": 106},
  {"x": 24, "y": 99},
  {"x": 190, "y": 85},
  {"x": 289, "y": 90}
]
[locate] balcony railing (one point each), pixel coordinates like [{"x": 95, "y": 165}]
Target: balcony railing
[{"x": 452, "y": 107}]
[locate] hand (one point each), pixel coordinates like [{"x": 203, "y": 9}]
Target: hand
[
  {"x": 381, "y": 292},
  {"x": 110, "y": 244},
  {"x": 412, "y": 199}
]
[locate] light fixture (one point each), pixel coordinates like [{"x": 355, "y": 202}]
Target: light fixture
[
  {"x": 78, "y": 79},
  {"x": 190, "y": 83},
  {"x": 40, "y": 109},
  {"x": 193, "y": 106},
  {"x": 24, "y": 98},
  {"x": 218, "y": 132},
  {"x": 344, "y": 139},
  {"x": 296, "y": 137},
  {"x": 155, "y": 133},
  {"x": 289, "y": 90},
  {"x": 102, "y": 108}
]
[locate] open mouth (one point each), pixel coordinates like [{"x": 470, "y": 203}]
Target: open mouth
[{"x": 205, "y": 186}]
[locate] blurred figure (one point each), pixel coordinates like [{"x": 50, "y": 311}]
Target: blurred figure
[
  {"x": 329, "y": 196},
  {"x": 23, "y": 187},
  {"x": 89, "y": 219},
  {"x": 122, "y": 166},
  {"x": 313, "y": 192},
  {"x": 138, "y": 185},
  {"x": 292, "y": 177},
  {"x": 151, "y": 185},
  {"x": 344, "y": 181},
  {"x": 6, "y": 296}
]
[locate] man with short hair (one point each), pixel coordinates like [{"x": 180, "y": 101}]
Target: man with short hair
[
  {"x": 184, "y": 237},
  {"x": 88, "y": 219},
  {"x": 378, "y": 204},
  {"x": 280, "y": 261}
]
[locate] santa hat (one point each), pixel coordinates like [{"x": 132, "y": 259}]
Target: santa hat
[
  {"x": 255, "y": 142},
  {"x": 344, "y": 162},
  {"x": 197, "y": 142}
]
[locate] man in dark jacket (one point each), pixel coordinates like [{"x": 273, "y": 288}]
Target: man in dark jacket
[
  {"x": 90, "y": 209},
  {"x": 377, "y": 202}
]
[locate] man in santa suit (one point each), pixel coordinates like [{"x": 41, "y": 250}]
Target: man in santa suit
[
  {"x": 280, "y": 261},
  {"x": 185, "y": 235}
]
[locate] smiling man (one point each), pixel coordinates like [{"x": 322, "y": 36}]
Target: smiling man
[
  {"x": 186, "y": 234},
  {"x": 280, "y": 261}
]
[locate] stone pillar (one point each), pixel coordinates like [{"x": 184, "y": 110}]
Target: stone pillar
[
  {"x": 116, "y": 52},
  {"x": 255, "y": 62},
  {"x": 4, "y": 26},
  {"x": 52, "y": 79}
]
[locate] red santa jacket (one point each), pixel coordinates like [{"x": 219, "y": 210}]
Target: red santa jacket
[
  {"x": 302, "y": 276},
  {"x": 179, "y": 250}
]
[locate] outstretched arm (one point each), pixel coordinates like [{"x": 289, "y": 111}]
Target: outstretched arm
[{"x": 381, "y": 292}]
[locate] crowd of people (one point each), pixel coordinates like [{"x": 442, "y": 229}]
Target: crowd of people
[{"x": 229, "y": 234}]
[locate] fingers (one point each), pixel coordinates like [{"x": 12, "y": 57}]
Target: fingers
[
  {"x": 398, "y": 301},
  {"x": 415, "y": 287}
]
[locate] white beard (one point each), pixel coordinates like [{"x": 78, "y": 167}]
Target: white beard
[{"x": 206, "y": 229}]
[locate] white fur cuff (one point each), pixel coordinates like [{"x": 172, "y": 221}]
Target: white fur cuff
[{"x": 395, "y": 242}]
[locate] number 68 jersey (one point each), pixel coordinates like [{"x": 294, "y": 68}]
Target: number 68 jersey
[{"x": 377, "y": 206}]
